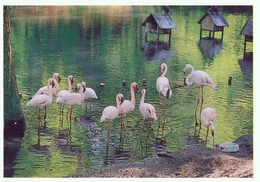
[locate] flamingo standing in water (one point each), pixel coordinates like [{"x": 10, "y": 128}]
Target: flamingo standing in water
[
  {"x": 129, "y": 105},
  {"x": 89, "y": 94},
  {"x": 163, "y": 84},
  {"x": 73, "y": 99},
  {"x": 201, "y": 78},
  {"x": 64, "y": 92},
  {"x": 44, "y": 90},
  {"x": 42, "y": 100},
  {"x": 147, "y": 110},
  {"x": 208, "y": 115},
  {"x": 111, "y": 112}
]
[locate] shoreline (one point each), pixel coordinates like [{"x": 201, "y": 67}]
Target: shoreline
[{"x": 193, "y": 161}]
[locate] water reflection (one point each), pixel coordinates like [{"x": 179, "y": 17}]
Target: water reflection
[
  {"x": 157, "y": 51},
  {"x": 210, "y": 47},
  {"x": 102, "y": 45}
]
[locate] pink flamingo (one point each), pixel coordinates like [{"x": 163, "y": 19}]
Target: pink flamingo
[
  {"x": 44, "y": 90},
  {"x": 89, "y": 94},
  {"x": 208, "y": 115},
  {"x": 147, "y": 110},
  {"x": 129, "y": 105},
  {"x": 64, "y": 92},
  {"x": 163, "y": 84},
  {"x": 111, "y": 112},
  {"x": 201, "y": 78},
  {"x": 42, "y": 100},
  {"x": 73, "y": 99}
]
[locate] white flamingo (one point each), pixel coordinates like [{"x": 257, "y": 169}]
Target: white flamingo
[
  {"x": 208, "y": 115},
  {"x": 44, "y": 90},
  {"x": 73, "y": 99},
  {"x": 111, "y": 112},
  {"x": 147, "y": 110},
  {"x": 42, "y": 100},
  {"x": 163, "y": 84},
  {"x": 64, "y": 92},
  {"x": 201, "y": 78},
  {"x": 89, "y": 94},
  {"x": 129, "y": 105}
]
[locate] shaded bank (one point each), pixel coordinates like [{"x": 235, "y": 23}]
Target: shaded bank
[{"x": 193, "y": 161}]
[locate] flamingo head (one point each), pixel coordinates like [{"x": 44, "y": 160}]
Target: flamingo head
[
  {"x": 120, "y": 98},
  {"x": 83, "y": 85},
  {"x": 71, "y": 79},
  {"x": 135, "y": 86},
  {"x": 187, "y": 66},
  {"x": 51, "y": 82},
  {"x": 77, "y": 87},
  {"x": 162, "y": 67},
  {"x": 143, "y": 92},
  {"x": 57, "y": 76}
]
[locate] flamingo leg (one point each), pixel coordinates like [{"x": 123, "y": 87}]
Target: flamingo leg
[
  {"x": 108, "y": 131},
  {"x": 87, "y": 104},
  {"x": 207, "y": 136},
  {"x": 71, "y": 112},
  {"x": 39, "y": 116},
  {"x": 198, "y": 99},
  {"x": 44, "y": 112},
  {"x": 202, "y": 98}
]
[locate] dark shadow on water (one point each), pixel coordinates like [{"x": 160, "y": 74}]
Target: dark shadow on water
[
  {"x": 157, "y": 51},
  {"x": 210, "y": 47}
]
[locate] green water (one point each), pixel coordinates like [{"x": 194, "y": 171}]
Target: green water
[{"x": 107, "y": 45}]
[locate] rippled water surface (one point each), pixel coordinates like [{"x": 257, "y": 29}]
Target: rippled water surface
[{"x": 107, "y": 45}]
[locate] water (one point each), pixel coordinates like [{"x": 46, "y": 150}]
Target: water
[{"x": 106, "y": 45}]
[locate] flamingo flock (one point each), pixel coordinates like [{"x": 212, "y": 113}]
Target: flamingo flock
[{"x": 123, "y": 107}]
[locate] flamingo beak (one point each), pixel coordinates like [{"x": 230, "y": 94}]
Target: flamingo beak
[
  {"x": 72, "y": 81},
  {"x": 84, "y": 88},
  {"x": 122, "y": 100},
  {"x": 59, "y": 79},
  {"x": 53, "y": 84},
  {"x": 168, "y": 93},
  {"x": 136, "y": 88}
]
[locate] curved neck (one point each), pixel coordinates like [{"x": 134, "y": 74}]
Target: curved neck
[
  {"x": 69, "y": 85},
  {"x": 189, "y": 80},
  {"x": 212, "y": 126},
  {"x": 117, "y": 102},
  {"x": 165, "y": 69},
  {"x": 142, "y": 98},
  {"x": 190, "y": 66},
  {"x": 49, "y": 90},
  {"x": 132, "y": 94},
  {"x": 56, "y": 84},
  {"x": 81, "y": 93}
]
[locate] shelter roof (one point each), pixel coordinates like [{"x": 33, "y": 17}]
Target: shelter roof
[
  {"x": 163, "y": 20},
  {"x": 248, "y": 28}
]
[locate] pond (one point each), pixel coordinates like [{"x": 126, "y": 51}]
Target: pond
[{"x": 106, "y": 44}]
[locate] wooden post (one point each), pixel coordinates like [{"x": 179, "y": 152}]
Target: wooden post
[
  {"x": 222, "y": 34},
  {"x": 200, "y": 31},
  {"x": 157, "y": 33},
  {"x": 244, "y": 49},
  {"x": 145, "y": 36},
  {"x": 170, "y": 37}
]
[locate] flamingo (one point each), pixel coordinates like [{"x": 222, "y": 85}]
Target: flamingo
[
  {"x": 147, "y": 110},
  {"x": 201, "y": 78},
  {"x": 163, "y": 84},
  {"x": 44, "y": 90},
  {"x": 73, "y": 99},
  {"x": 208, "y": 115},
  {"x": 64, "y": 92},
  {"x": 111, "y": 112},
  {"x": 129, "y": 105},
  {"x": 42, "y": 100},
  {"x": 89, "y": 94}
]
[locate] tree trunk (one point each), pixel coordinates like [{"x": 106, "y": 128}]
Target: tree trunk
[{"x": 14, "y": 123}]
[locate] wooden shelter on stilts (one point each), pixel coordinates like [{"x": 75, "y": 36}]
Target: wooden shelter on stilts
[
  {"x": 247, "y": 31},
  {"x": 159, "y": 23},
  {"x": 213, "y": 21}
]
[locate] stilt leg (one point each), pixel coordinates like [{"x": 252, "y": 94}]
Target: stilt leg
[
  {"x": 44, "y": 112},
  {"x": 196, "y": 124},
  {"x": 39, "y": 117}
]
